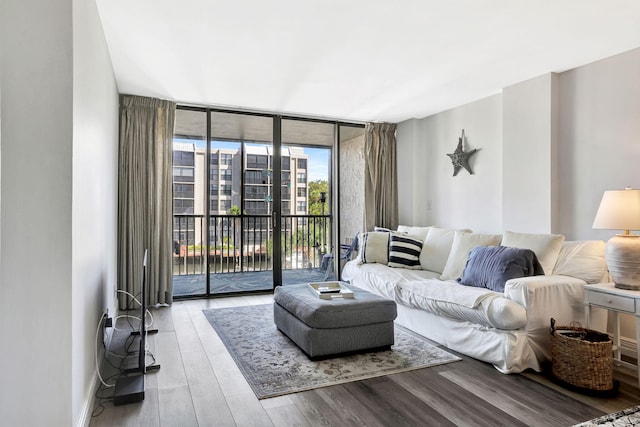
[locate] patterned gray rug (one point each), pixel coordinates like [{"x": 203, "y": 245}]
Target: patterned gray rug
[
  {"x": 625, "y": 418},
  {"x": 273, "y": 365}
]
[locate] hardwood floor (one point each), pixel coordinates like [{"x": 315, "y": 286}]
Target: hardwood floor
[{"x": 198, "y": 384}]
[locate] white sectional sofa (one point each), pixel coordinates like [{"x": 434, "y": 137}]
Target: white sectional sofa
[{"x": 508, "y": 328}]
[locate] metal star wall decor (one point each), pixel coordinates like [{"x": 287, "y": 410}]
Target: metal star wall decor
[{"x": 460, "y": 158}]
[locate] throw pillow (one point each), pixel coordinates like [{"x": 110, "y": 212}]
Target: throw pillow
[
  {"x": 463, "y": 243},
  {"x": 546, "y": 246},
  {"x": 374, "y": 247},
  {"x": 582, "y": 259},
  {"x": 491, "y": 266},
  {"x": 417, "y": 232},
  {"x": 436, "y": 248},
  {"x": 404, "y": 251}
]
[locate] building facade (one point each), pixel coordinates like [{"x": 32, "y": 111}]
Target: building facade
[{"x": 238, "y": 180}]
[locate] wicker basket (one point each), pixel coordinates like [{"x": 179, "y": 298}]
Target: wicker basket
[{"x": 582, "y": 358}]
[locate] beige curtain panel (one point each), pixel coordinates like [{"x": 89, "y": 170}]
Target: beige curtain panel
[
  {"x": 380, "y": 176},
  {"x": 145, "y": 198}
]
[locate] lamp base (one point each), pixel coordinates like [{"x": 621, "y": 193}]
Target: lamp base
[
  {"x": 627, "y": 287},
  {"x": 623, "y": 260}
]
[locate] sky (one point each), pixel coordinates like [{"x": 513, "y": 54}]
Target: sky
[{"x": 318, "y": 164}]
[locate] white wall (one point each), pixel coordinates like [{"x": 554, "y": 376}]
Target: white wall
[
  {"x": 94, "y": 205},
  {"x": 57, "y": 218},
  {"x": 35, "y": 265},
  {"x": 600, "y": 139},
  {"x": 559, "y": 139},
  {"x": 529, "y": 152},
  {"x": 413, "y": 193},
  {"x": 428, "y": 192}
]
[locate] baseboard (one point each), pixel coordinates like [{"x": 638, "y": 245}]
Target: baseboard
[
  {"x": 85, "y": 415},
  {"x": 87, "y": 408}
]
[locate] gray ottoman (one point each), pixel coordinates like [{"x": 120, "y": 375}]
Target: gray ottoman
[{"x": 324, "y": 328}]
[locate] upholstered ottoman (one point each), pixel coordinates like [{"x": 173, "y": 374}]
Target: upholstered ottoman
[{"x": 324, "y": 328}]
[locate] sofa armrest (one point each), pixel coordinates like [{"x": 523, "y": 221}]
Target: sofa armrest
[{"x": 544, "y": 297}]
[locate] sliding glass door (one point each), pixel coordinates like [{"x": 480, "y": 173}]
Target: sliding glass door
[
  {"x": 253, "y": 201},
  {"x": 306, "y": 225},
  {"x": 241, "y": 203}
]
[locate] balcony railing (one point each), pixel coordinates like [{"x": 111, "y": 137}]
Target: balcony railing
[{"x": 245, "y": 243}]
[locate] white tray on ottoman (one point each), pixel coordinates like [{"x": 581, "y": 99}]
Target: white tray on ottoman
[{"x": 323, "y": 328}]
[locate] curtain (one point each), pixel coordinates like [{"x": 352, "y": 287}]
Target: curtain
[
  {"x": 145, "y": 198},
  {"x": 380, "y": 176}
]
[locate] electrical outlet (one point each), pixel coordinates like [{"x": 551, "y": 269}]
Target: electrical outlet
[{"x": 107, "y": 323}]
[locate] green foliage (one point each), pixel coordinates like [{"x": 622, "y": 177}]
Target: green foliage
[
  {"x": 315, "y": 205},
  {"x": 225, "y": 244},
  {"x": 235, "y": 210},
  {"x": 268, "y": 245}
]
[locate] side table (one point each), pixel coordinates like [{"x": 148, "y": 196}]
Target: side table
[{"x": 607, "y": 296}]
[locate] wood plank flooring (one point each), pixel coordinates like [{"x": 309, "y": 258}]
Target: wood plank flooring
[{"x": 199, "y": 384}]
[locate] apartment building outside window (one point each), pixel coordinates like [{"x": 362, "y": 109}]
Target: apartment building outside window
[
  {"x": 254, "y": 177},
  {"x": 183, "y": 174},
  {"x": 184, "y": 191},
  {"x": 257, "y": 161},
  {"x": 226, "y": 159},
  {"x": 286, "y": 163},
  {"x": 225, "y": 205},
  {"x": 183, "y": 158}
]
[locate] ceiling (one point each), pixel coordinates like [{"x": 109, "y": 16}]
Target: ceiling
[
  {"x": 227, "y": 126},
  {"x": 357, "y": 60}
]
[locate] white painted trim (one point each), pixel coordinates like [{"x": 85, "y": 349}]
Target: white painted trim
[{"x": 85, "y": 415}]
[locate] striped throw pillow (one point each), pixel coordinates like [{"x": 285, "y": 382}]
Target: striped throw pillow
[{"x": 404, "y": 251}]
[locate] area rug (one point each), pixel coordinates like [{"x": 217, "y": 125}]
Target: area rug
[
  {"x": 273, "y": 365},
  {"x": 626, "y": 417}
]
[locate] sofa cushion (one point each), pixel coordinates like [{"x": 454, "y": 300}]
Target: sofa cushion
[
  {"x": 546, "y": 246},
  {"x": 381, "y": 279},
  {"x": 404, "y": 251},
  {"x": 476, "y": 305},
  {"x": 436, "y": 248},
  {"x": 491, "y": 266},
  {"x": 463, "y": 243},
  {"x": 582, "y": 259},
  {"x": 419, "y": 232},
  {"x": 374, "y": 247}
]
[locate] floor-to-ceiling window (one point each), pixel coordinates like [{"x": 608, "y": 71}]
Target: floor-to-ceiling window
[{"x": 253, "y": 201}]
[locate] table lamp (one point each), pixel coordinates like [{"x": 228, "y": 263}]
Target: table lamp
[{"x": 620, "y": 210}]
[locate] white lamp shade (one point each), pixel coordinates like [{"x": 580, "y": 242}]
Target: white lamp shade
[{"x": 619, "y": 210}]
